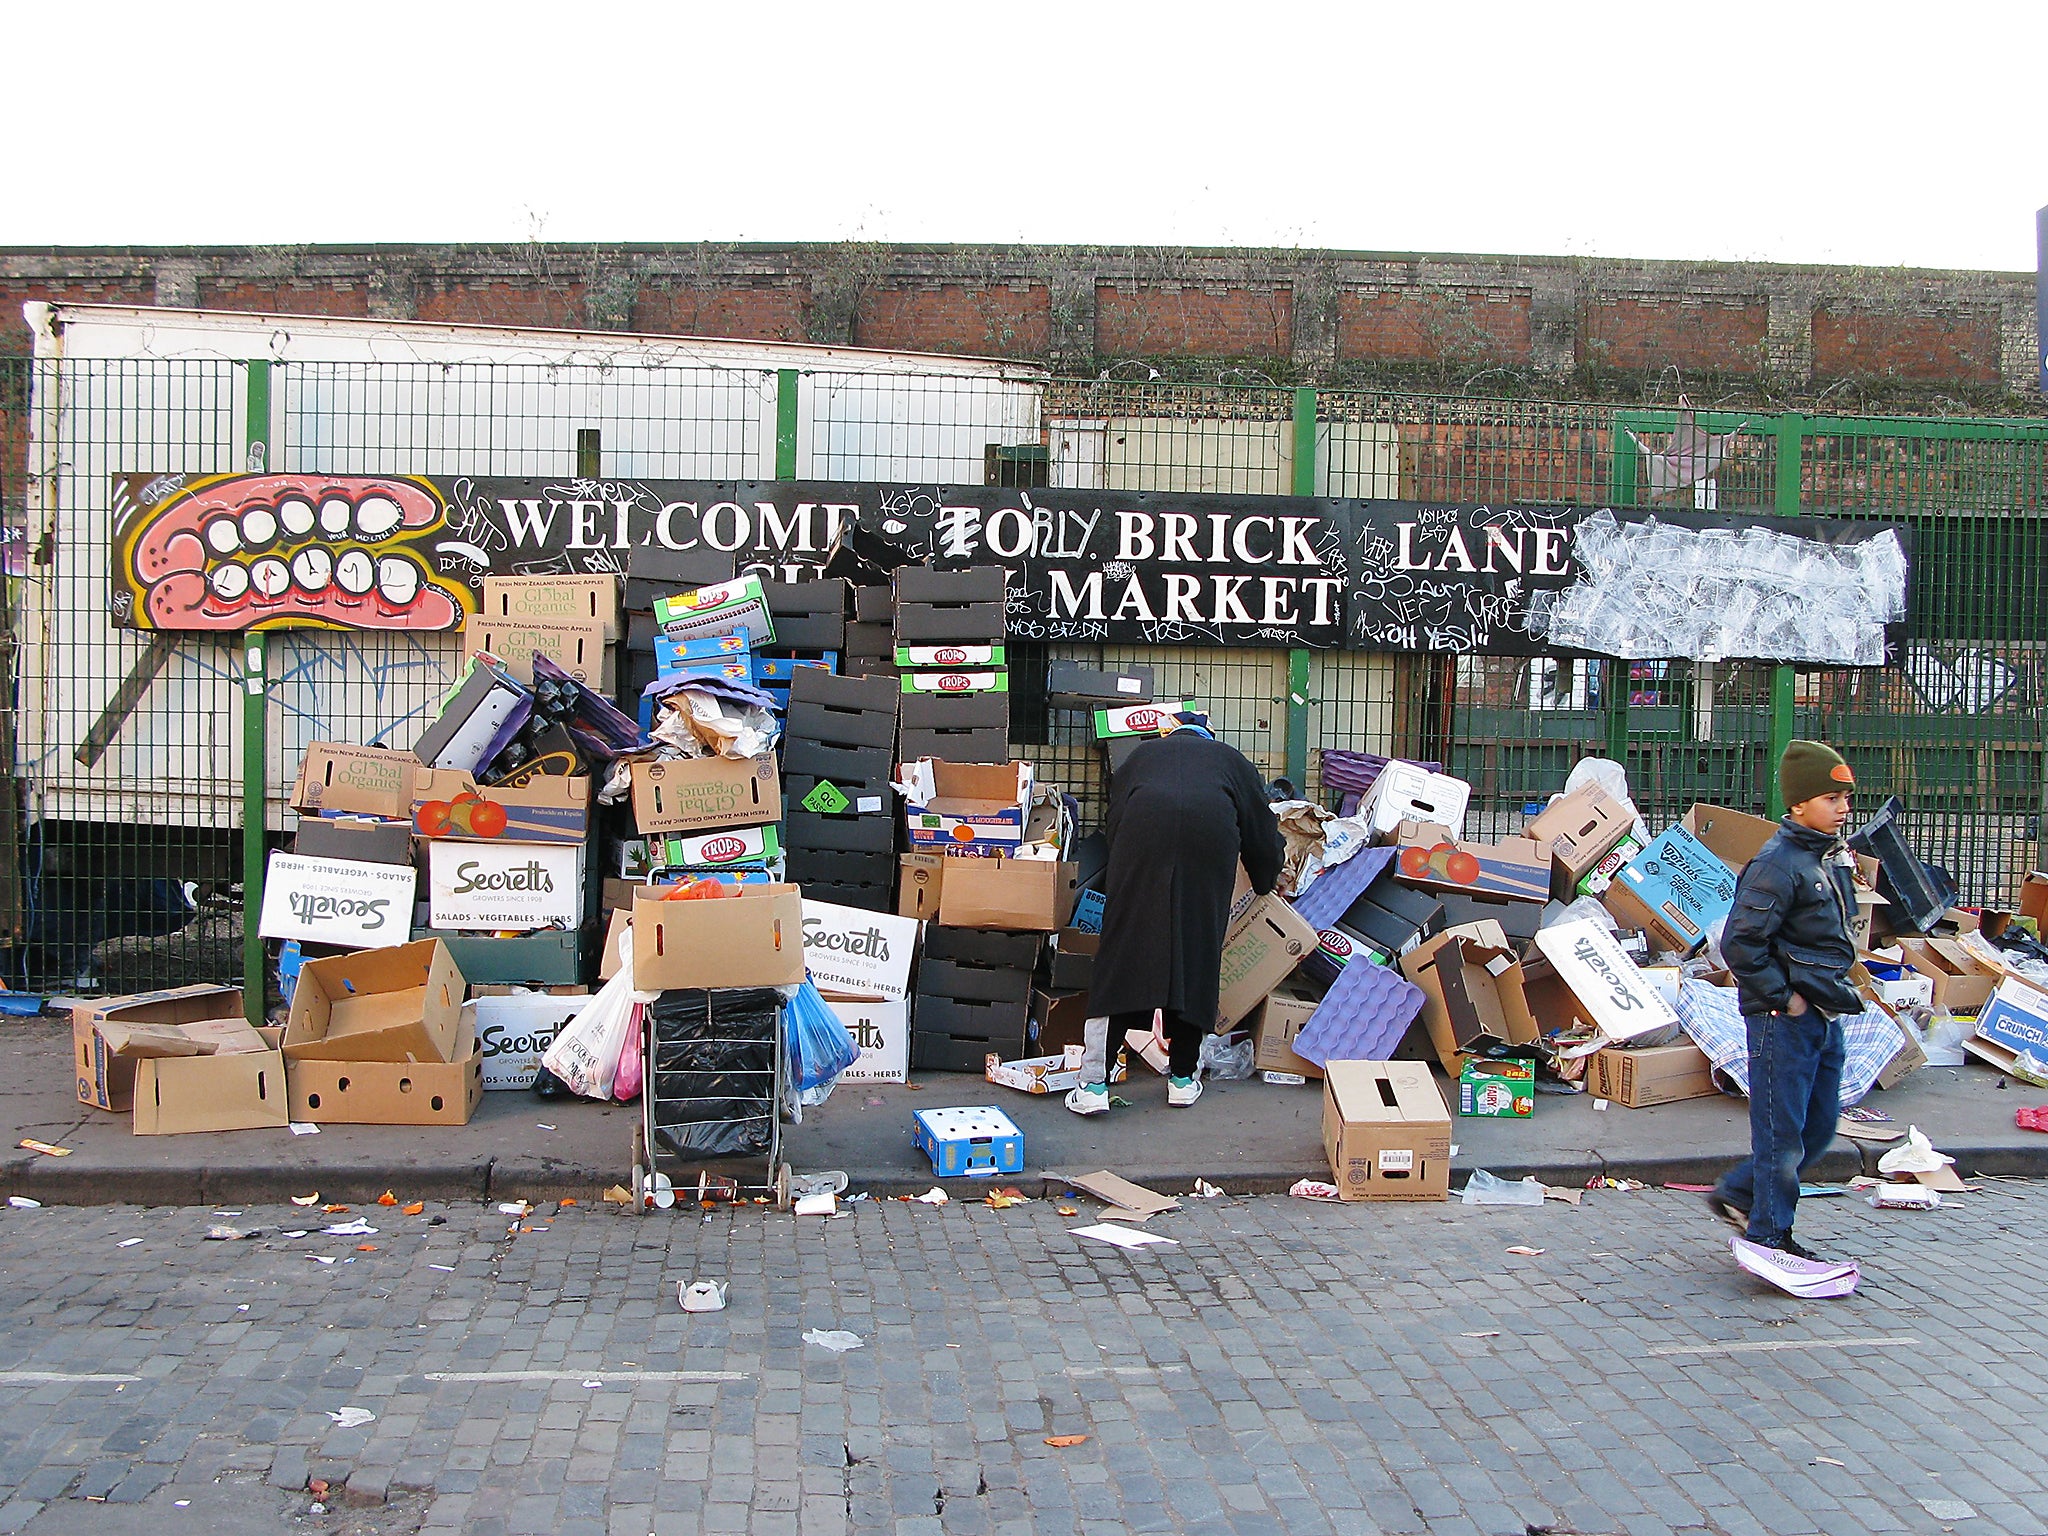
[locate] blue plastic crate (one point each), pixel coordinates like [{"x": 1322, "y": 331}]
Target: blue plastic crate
[{"x": 972, "y": 1143}]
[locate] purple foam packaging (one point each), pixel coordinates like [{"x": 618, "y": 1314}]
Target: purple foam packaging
[{"x": 1363, "y": 1016}]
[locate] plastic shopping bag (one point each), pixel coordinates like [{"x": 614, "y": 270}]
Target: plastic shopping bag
[
  {"x": 819, "y": 1046},
  {"x": 626, "y": 1084},
  {"x": 586, "y": 1050}
]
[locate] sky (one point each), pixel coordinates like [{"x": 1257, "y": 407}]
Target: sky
[{"x": 1806, "y": 131}]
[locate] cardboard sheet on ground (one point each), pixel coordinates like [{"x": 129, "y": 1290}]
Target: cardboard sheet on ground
[
  {"x": 1127, "y": 1201},
  {"x": 1121, "y": 1237},
  {"x": 1808, "y": 1278}
]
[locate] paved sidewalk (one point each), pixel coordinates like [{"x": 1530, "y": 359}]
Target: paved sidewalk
[
  {"x": 1288, "y": 1366},
  {"x": 1250, "y": 1135}
]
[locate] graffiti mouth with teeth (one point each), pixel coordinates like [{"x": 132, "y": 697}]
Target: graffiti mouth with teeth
[{"x": 243, "y": 552}]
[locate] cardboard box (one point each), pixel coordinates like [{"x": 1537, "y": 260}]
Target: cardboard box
[
  {"x": 1073, "y": 685},
  {"x": 578, "y": 649},
  {"x": 856, "y": 953},
  {"x": 736, "y": 607},
  {"x": 549, "y": 808},
  {"x": 1497, "y": 1090},
  {"x": 552, "y": 958},
  {"x": 1516, "y": 867},
  {"x": 974, "y": 744},
  {"x": 389, "y": 1092},
  {"x": 237, "y": 1090},
  {"x": 924, "y": 584},
  {"x": 695, "y": 794},
  {"x": 552, "y": 599},
  {"x": 353, "y": 840},
  {"x": 2034, "y": 898},
  {"x": 1580, "y": 828},
  {"x": 754, "y": 939},
  {"x": 710, "y": 655},
  {"x": 2016, "y": 1018},
  {"x": 106, "y": 1078},
  {"x": 1056, "y": 1073},
  {"x": 1393, "y": 917},
  {"x": 1674, "y": 889},
  {"x": 1261, "y": 950},
  {"x": 513, "y": 1031},
  {"x": 476, "y": 719},
  {"x": 964, "y": 654},
  {"x": 1472, "y": 997},
  {"x": 716, "y": 850},
  {"x": 960, "y": 681},
  {"x": 1274, "y": 1025},
  {"x": 1658, "y": 1074},
  {"x": 1060, "y": 1020},
  {"x": 954, "y": 805},
  {"x": 882, "y": 1031},
  {"x": 809, "y": 615},
  {"x": 1905, "y": 1061},
  {"x": 919, "y": 885},
  {"x": 517, "y": 886},
  {"x": 654, "y": 570},
  {"x": 1598, "y": 880},
  {"x": 999, "y": 892},
  {"x": 327, "y": 901},
  {"x": 397, "y": 1005},
  {"x": 1405, "y": 792},
  {"x": 1961, "y": 985},
  {"x": 1386, "y": 1131},
  {"x": 1733, "y": 837},
  {"x": 1073, "y": 960},
  {"x": 1135, "y": 719},
  {"x": 369, "y": 781},
  {"x": 944, "y": 713},
  {"x": 1612, "y": 993}
]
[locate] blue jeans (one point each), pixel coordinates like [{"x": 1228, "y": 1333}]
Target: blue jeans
[{"x": 1795, "y": 1102}]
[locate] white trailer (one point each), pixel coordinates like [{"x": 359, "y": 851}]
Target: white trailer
[{"x": 120, "y": 726}]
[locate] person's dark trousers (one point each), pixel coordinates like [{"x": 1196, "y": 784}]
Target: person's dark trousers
[
  {"x": 1795, "y": 1103},
  {"x": 1183, "y": 1039}
]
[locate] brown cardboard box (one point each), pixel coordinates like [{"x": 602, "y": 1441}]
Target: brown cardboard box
[
  {"x": 552, "y": 600},
  {"x": 391, "y": 1092},
  {"x": 698, "y": 794},
  {"x": 1515, "y": 867},
  {"x": 548, "y": 808},
  {"x": 754, "y": 939},
  {"x": 578, "y": 649},
  {"x": 1262, "y": 949},
  {"x": 1961, "y": 985},
  {"x": 1471, "y": 995},
  {"x": 1580, "y": 829},
  {"x": 367, "y": 780},
  {"x": 1058, "y": 1020},
  {"x": 398, "y": 1005},
  {"x": 616, "y": 927},
  {"x": 1279, "y": 1019},
  {"x": 2034, "y": 898},
  {"x": 1659, "y": 1074},
  {"x": 1906, "y": 1060},
  {"x": 998, "y": 892},
  {"x": 1733, "y": 837},
  {"x": 921, "y": 885},
  {"x": 233, "y": 1090},
  {"x": 106, "y": 1079},
  {"x": 1386, "y": 1131}
]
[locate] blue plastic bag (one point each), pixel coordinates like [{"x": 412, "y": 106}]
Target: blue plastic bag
[{"x": 819, "y": 1046}]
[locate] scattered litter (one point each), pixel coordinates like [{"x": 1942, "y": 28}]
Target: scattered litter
[
  {"x": 219, "y": 1233},
  {"x": 1905, "y": 1197},
  {"x": 816, "y": 1205},
  {"x": 1568, "y": 1196},
  {"x": 1527, "y": 1252},
  {"x": 417, "y": 1208},
  {"x": 366, "y": 1247},
  {"x": 446, "y": 1269},
  {"x": 1490, "y": 1333},
  {"x": 304, "y": 1128},
  {"x": 1810, "y": 1279},
  {"x": 30, "y": 1144},
  {"x": 515, "y": 1208},
  {"x": 181, "y": 1503},
  {"x": 932, "y": 1196},
  {"x": 618, "y": 1194},
  {"x": 1122, "y": 1237},
  {"x": 1003, "y": 1199},
  {"x": 1126, "y": 1201},
  {"x": 1916, "y": 1156},
  {"x": 1204, "y": 1190},
  {"x": 387, "y": 1198},
  {"x": 335, "y": 1210},
  {"x": 128, "y": 1242},
  {"x": 23, "y": 1203},
  {"x": 593, "y": 1384},
  {"x": 1856, "y": 1130},
  {"x": 1826, "y": 1461},
  {"x": 838, "y": 1340},
  {"x": 349, "y": 1418},
  {"x": 1820, "y": 1191},
  {"x": 564, "y": 1203},
  {"x": 1626, "y": 1185},
  {"x": 1692, "y": 1189},
  {"x": 702, "y": 1295},
  {"x": 543, "y": 1125},
  {"x": 1485, "y": 1189},
  {"x": 1062, "y": 1442},
  {"x": 2033, "y": 1118},
  {"x": 1863, "y": 1115},
  {"x": 1067, "y": 1210},
  {"x": 316, "y": 1508},
  {"x": 295, "y": 1236},
  {"x": 319, "y": 1258},
  {"x": 356, "y": 1228},
  {"x": 317, "y": 1487},
  {"x": 312, "y": 1199},
  {"x": 1313, "y": 1189}
]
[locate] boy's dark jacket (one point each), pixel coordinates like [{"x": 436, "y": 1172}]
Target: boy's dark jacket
[{"x": 1789, "y": 930}]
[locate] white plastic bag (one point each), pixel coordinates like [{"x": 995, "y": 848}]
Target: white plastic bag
[
  {"x": 1916, "y": 1154},
  {"x": 586, "y": 1050}
]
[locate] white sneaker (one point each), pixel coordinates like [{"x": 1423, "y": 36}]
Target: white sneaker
[
  {"x": 1089, "y": 1099},
  {"x": 1183, "y": 1091}
]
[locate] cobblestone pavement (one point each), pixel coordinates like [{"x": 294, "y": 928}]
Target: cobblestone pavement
[{"x": 1287, "y": 1367}]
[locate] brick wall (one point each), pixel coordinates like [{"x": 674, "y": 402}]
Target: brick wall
[
  {"x": 548, "y": 306},
  {"x": 1400, "y": 325},
  {"x": 992, "y": 320},
  {"x": 291, "y": 296},
  {"x": 1179, "y": 319},
  {"x": 1852, "y": 340},
  {"x": 1646, "y": 333},
  {"x": 15, "y": 340},
  {"x": 750, "y": 313}
]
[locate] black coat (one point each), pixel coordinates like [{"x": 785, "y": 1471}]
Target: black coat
[
  {"x": 1789, "y": 930},
  {"x": 1183, "y": 810}
]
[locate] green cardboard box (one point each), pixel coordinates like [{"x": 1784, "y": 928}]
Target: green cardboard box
[{"x": 1497, "y": 1090}]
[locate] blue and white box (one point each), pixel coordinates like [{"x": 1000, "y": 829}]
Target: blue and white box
[
  {"x": 2016, "y": 1018},
  {"x": 970, "y": 1143},
  {"x": 1676, "y": 888}
]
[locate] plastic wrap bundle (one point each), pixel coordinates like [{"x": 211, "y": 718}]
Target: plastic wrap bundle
[
  {"x": 1649, "y": 589},
  {"x": 711, "y": 1079}
]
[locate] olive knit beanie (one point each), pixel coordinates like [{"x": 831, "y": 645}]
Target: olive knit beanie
[{"x": 1810, "y": 769}]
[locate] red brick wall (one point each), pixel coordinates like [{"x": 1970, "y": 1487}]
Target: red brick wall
[
  {"x": 1190, "y": 320},
  {"x": 557, "y": 306},
  {"x": 1422, "y": 325},
  {"x": 1930, "y": 348},
  {"x": 1651, "y": 333},
  {"x": 286, "y": 297},
  {"x": 15, "y": 340},
  {"x": 1456, "y": 462},
  {"x": 749, "y": 314},
  {"x": 999, "y": 320}
]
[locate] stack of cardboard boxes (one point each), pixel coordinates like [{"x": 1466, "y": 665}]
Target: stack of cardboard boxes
[
  {"x": 953, "y": 669},
  {"x": 837, "y": 752}
]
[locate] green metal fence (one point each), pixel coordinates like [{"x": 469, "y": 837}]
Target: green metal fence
[{"x": 128, "y": 756}]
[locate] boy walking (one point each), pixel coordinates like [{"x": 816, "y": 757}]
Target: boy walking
[{"x": 1788, "y": 943}]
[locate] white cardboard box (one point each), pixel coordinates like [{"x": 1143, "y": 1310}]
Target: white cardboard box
[
  {"x": 856, "y": 953},
  {"x": 882, "y": 1031},
  {"x": 1620, "y": 1000},
  {"x": 505, "y": 885},
  {"x": 332, "y": 901},
  {"x": 513, "y": 1031},
  {"x": 1404, "y": 792}
]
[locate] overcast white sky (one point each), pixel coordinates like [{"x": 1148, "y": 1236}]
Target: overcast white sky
[{"x": 1877, "y": 133}]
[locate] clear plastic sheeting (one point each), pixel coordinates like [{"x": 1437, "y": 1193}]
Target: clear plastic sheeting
[{"x": 1651, "y": 590}]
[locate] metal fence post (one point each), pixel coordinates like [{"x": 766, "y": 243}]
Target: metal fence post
[
  {"x": 1791, "y": 451},
  {"x": 785, "y": 423},
  {"x": 1296, "y": 759},
  {"x": 255, "y": 733}
]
